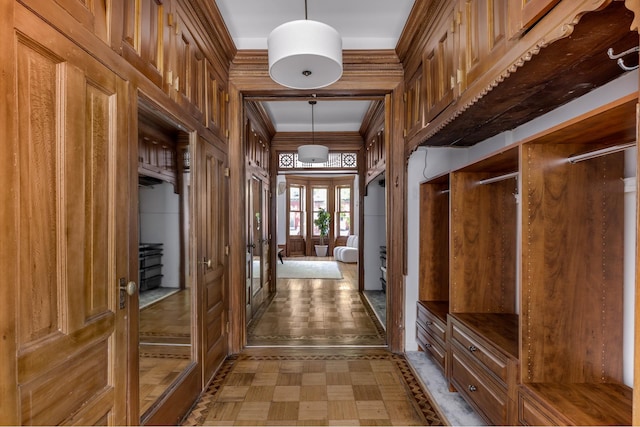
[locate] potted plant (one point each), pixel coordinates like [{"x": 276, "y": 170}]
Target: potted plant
[{"x": 322, "y": 222}]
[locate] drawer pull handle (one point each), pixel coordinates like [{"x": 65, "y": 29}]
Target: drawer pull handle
[
  {"x": 428, "y": 345},
  {"x": 429, "y": 323},
  {"x": 472, "y": 348},
  {"x": 472, "y": 388}
]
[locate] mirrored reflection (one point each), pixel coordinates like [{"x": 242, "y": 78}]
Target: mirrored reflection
[{"x": 165, "y": 341}]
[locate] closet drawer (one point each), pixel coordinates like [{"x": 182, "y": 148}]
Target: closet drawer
[
  {"x": 430, "y": 345},
  {"x": 530, "y": 414},
  {"x": 488, "y": 398},
  {"x": 430, "y": 322},
  {"x": 492, "y": 361}
]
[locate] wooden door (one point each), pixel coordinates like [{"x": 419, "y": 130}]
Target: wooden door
[
  {"x": 212, "y": 248},
  {"x": 70, "y": 255}
]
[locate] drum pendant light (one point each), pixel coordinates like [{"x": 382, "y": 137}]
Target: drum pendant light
[
  {"x": 305, "y": 54},
  {"x": 313, "y": 153}
]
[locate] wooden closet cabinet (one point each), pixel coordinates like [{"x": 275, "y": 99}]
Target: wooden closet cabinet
[
  {"x": 572, "y": 271},
  {"x": 433, "y": 303},
  {"x": 483, "y": 235},
  {"x": 482, "y": 356},
  {"x": 483, "y": 363}
]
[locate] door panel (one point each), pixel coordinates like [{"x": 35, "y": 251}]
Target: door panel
[
  {"x": 72, "y": 161},
  {"x": 212, "y": 195}
]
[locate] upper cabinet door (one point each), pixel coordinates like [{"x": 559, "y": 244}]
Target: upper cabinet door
[
  {"x": 414, "y": 104},
  {"x": 438, "y": 66},
  {"x": 95, "y": 15},
  {"x": 145, "y": 37},
  {"x": 483, "y": 38},
  {"x": 216, "y": 102},
  {"x": 523, "y": 14},
  {"x": 189, "y": 68}
]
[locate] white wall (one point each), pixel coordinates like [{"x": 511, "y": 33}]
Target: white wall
[
  {"x": 375, "y": 233},
  {"x": 160, "y": 223},
  {"x": 440, "y": 160}
]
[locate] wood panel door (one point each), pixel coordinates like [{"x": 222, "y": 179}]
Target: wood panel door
[
  {"x": 212, "y": 266},
  {"x": 72, "y": 181}
]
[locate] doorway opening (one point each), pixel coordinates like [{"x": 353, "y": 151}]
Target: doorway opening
[{"x": 318, "y": 300}]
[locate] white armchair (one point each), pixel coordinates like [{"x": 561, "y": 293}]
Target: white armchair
[{"x": 347, "y": 253}]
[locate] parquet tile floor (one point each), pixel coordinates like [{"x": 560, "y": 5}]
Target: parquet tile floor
[
  {"x": 314, "y": 386},
  {"x": 316, "y": 356},
  {"x": 317, "y": 312}
]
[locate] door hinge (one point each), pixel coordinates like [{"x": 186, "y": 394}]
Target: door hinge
[
  {"x": 227, "y": 172},
  {"x": 404, "y": 133},
  {"x": 226, "y": 133},
  {"x": 226, "y": 97},
  {"x": 227, "y": 327},
  {"x": 226, "y": 250},
  {"x": 170, "y": 19}
]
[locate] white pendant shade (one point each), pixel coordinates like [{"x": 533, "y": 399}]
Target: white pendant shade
[
  {"x": 305, "y": 54},
  {"x": 313, "y": 153}
]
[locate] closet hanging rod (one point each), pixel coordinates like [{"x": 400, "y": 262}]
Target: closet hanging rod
[
  {"x": 445, "y": 191},
  {"x": 621, "y": 54},
  {"x": 498, "y": 178},
  {"x": 619, "y": 57},
  {"x": 602, "y": 152}
]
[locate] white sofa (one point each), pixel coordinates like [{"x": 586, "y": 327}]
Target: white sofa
[{"x": 347, "y": 253}]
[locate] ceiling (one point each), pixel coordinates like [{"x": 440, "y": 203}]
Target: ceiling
[{"x": 363, "y": 24}]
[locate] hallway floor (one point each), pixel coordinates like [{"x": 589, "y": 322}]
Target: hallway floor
[
  {"x": 306, "y": 364},
  {"x": 317, "y": 312},
  {"x": 314, "y": 386}
]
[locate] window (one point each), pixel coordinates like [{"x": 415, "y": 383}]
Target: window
[
  {"x": 296, "y": 210},
  {"x": 319, "y": 199},
  {"x": 343, "y": 210}
]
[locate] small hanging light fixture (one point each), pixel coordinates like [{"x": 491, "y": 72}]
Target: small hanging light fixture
[
  {"x": 312, "y": 153},
  {"x": 305, "y": 54}
]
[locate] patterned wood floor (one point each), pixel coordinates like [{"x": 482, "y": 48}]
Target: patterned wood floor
[
  {"x": 317, "y": 312},
  {"x": 317, "y": 366},
  {"x": 304, "y": 386}
]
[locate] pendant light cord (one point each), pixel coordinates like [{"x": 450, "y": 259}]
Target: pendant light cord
[
  {"x": 305, "y": 10},
  {"x": 313, "y": 139}
]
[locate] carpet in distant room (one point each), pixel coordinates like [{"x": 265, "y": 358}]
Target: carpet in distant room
[{"x": 294, "y": 269}]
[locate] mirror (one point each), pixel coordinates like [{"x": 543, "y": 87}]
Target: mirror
[{"x": 165, "y": 283}]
